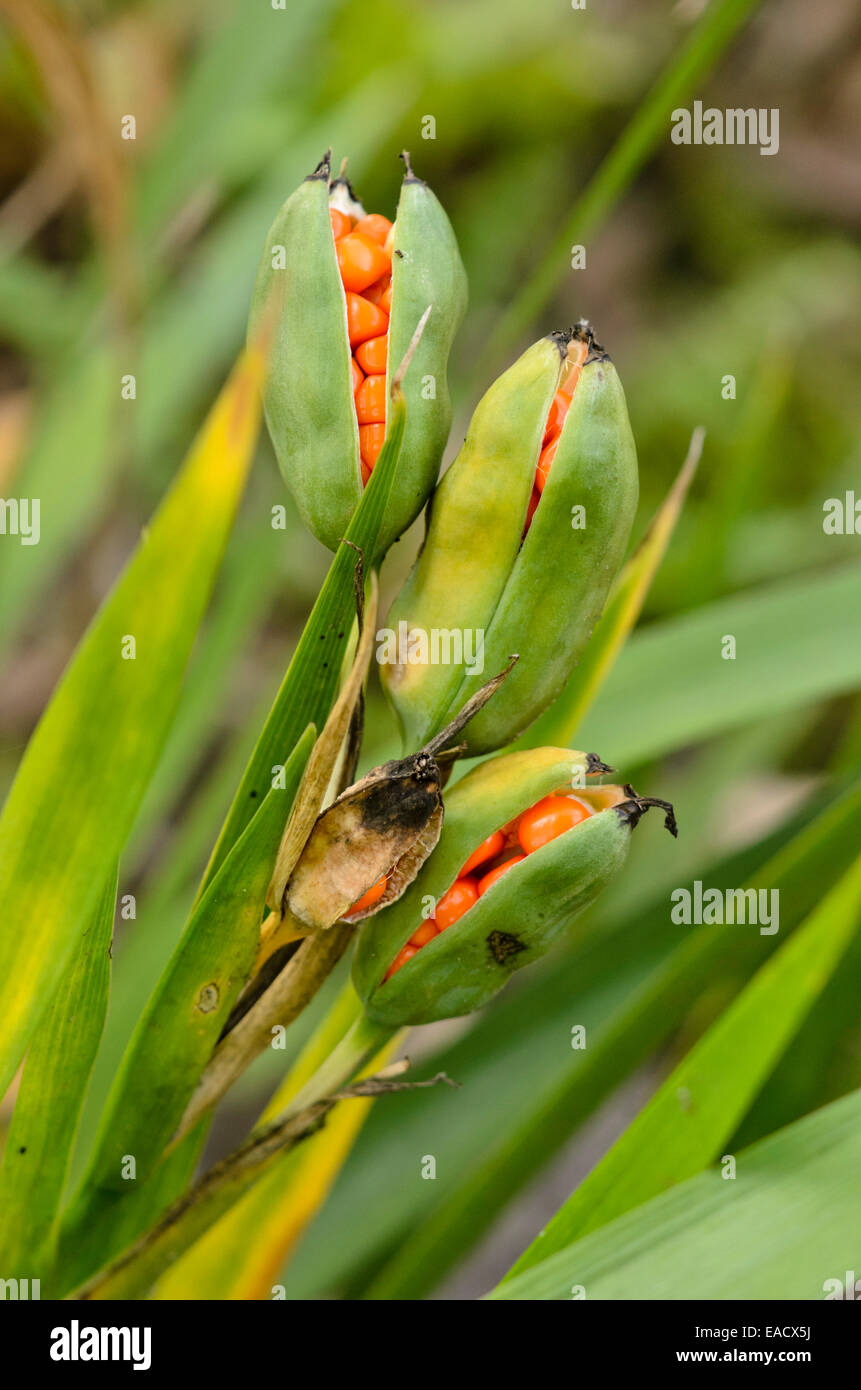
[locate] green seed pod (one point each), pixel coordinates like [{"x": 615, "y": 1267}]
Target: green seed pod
[
  {"x": 520, "y": 917},
  {"x": 538, "y": 596},
  {"x": 309, "y": 405}
]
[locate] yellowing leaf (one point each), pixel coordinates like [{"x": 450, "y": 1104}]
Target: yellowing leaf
[{"x": 88, "y": 763}]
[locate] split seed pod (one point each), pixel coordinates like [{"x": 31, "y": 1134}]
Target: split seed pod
[
  {"x": 522, "y": 915},
  {"x": 540, "y": 595},
  {"x": 309, "y": 398},
  {"x": 386, "y": 824}
]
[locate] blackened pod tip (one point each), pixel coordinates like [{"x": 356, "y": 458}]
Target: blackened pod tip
[
  {"x": 583, "y": 332},
  {"x": 580, "y": 332},
  {"x": 323, "y": 169},
  {"x": 560, "y": 339}
]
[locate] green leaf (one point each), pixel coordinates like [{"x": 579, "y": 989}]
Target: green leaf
[
  {"x": 183, "y": 1020},
  {"x": 49, "y": 1100},
  {"x": 671, "y": 685},
  {"x": 119, "y": 1217},
  {"x": 88, "y": 764},
  {"x": 777, "y": 1231},
  {"x": 309, "y": 687},
  {"x": 76, "y": 419},
  {"x": 254, "y": 60},
  {"x": 221, "y": 1186},
  {"x": 699, "y": 1105},
  {"x": 251, "y": 576}
]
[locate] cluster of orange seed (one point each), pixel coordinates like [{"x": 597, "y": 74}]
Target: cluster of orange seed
[
  {"x": 364, "y": 251},
  {"x": 547, "y": 819}
]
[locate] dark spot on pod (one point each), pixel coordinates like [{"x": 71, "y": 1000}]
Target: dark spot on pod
[{"x": 504, "y": 946}]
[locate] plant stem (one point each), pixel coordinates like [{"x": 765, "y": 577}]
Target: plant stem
[
  {"x": 357, "y": 1045},
  {"x": 134, "y": 1273}
]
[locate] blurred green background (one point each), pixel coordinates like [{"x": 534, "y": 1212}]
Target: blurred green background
[{"x": 137, "y": 257}]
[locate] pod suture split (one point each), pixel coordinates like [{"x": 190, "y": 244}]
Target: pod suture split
[{"x": 350, "y": 288}]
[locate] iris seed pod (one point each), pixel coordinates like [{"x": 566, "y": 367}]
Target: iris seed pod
[
  {"x": 314, "y": 250},
  {"x": 376, "y": 834},
  {"x": 519, "y": 917},
  {"x": 386, "y": 824},
  {"x": 538, "y": 594}
]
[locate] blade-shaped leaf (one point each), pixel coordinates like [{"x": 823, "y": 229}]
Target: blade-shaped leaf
[
  {"x": 700, "y": 1104},
  {"x": 88, "y": 764},
  {"x": 49, "y": 1100},
  {"x": 92, "y": 1233},
  {"x": 695, "y": 57},
  {"x": 311, "y": 682},
  {"x": 243, "y": 1253},
  {"x": 774, "y": 1232},
  {"x": 671, "y": 685},
  {"x": 181, "y": 1024}
]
